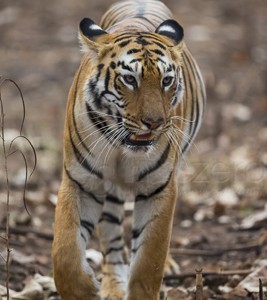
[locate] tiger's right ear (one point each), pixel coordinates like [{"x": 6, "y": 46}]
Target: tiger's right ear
[{"x": 91, "y": 35}]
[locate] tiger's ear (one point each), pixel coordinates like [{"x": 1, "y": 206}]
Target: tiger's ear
[
  {"x": 91, "y": 35},
  {"x": 172, "y": 30}
]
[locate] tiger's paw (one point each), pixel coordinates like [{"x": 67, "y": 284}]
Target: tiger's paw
[
  {"x": 171, "y": 267},
  {"x": 114, "y": 297},
  {"x": 112, "y": 291},
  {"x": 114, "y": 282}
]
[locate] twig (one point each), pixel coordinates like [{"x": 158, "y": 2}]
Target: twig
[
  {"x": 7, "y": 195},
  {"x": 209, "y": 273},
  {"x": 2, "y": 257},
  {"x": 260, "y": 290},
  {"x": 3, "y": 238},
  {"x": 199, "y": 285},
  {"x": 25, "y": 230},
  {"x": 218, "y": 252},
  {"x": 7, "y": 153}
]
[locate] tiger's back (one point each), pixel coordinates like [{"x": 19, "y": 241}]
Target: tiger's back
[
  {"x": 135, "y": 15},
  {"x": 134, "y": 107}
]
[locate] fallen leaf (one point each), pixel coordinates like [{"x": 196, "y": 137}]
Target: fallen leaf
[
  {"x": 254, "y": 220},
  {"x": 3, "y": 292},
  {"x": 32, "y": 291},
  {"x": 21, "y": 258},
  {"x": 227, "y": 197},
  {"x": 178, "y": 293},
  {"x": 46, "y": 282},
  {"x": 251, "y": 282}
]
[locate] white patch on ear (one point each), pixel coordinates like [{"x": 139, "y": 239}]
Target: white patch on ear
[
  {"x": 166, "y": 28},
  {"x": 95, "y": 27}
]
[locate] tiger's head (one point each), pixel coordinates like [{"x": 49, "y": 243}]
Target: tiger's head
[{"x": 134, "y": 78}]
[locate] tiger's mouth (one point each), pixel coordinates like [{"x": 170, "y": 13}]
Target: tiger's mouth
[{"x": 143, "y": 139}]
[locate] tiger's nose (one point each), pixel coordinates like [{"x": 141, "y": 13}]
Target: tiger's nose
[{"x": 152, "y": 123}]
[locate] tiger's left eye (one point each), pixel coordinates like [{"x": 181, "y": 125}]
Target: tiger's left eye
[
  {"x": 166, "y": 81},
  {"x": 130, "y": 79}
]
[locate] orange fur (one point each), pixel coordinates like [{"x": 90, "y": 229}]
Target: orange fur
[{"x": 124, "y": 137}]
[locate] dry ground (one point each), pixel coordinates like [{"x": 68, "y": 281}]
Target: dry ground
[{"x": 224, "y": 178}]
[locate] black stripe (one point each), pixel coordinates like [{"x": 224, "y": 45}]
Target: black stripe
[
  {"x": 158, "y": 164},
  {"x": 114, "y": 263},
  {"x": 152, "y": 37},
  {"x": 194, "y": 99},
  {"x": 200, "y": 85},
  {"x": 108, "y": 217},
  {"x": 83, "y": 236},
  {"x": 112, "y": 65},
  {"x": 107, "y": 78},
  {"x": 132, "y": 51},
  {"x": 170, "y": 67},
  {"x": 101, "y": 125},
  {"x": 142, "y": 197},
  {"x": 188, "y": 85},
  {"x": 125, "y": 43},
  {"x": 123, "y": 37},
  {"x": 73, "y": 113},
  {"x": 142, "y": 41},
  {"x": 115, "y": 239},
  {"x": 124, "y": 66},
  {"x": 99, "y": 68},
  {"x": 162, "y": 61},
  {"x": 157, "y": 51},
  {"x": 143, "y": 72},
  {"x": 88, "y": 226},
  {"x": 93, "y": 82},
  {"x": 79, "y": 137},
  {"x": 97, "y": 120},
  {"x": 82, "y": 188},
  {"x": 137, "y": 232},
  {"x": 83, "y": 162},
  {"x": 114, "y": 249},
  {"x": 114, "y": 199},
  {"x": 135, "y": 60},
  {"x": 160, "y": 45}
]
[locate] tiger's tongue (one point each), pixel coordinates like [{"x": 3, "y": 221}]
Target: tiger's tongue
[{"x": 141, "y": 137}]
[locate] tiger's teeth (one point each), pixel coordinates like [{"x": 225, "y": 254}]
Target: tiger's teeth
[
  {"x": 133, "y": 137},
  {"x": 142, "y": 137}
]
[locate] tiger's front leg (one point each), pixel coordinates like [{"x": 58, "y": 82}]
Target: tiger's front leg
[
  {"x": 153, "y": 218},
  {"x": 115, "y": 264},
  {"x": 77, "y": 212}
]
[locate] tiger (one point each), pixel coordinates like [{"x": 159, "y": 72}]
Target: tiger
[{"x": 134, "y": 108}]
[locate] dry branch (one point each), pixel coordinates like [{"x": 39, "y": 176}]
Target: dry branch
[
  {"x": 7, "y": 153},
  {"x": 22, "y": 230},
  {"x": 260, "y": 290},
  {"x": 199, "y": 285},
  {"x": 209, "y": 273},
  {"x": 255, "y": 245}
]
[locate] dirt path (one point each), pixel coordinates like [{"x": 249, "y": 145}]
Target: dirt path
[{"x": 223, "y": 180}]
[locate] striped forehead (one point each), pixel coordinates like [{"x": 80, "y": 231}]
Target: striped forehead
[{"x": 142, "y": 51}]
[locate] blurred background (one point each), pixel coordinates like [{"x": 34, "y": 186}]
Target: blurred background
[{"x": 223, "y": 181}]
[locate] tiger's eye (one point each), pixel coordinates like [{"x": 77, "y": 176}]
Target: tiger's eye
[
  {"x": 130, "y": 79},
  {"x": 166, "y": 81}
]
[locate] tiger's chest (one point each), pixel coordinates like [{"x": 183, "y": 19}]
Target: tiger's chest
[{"x": 121, "y": 171}]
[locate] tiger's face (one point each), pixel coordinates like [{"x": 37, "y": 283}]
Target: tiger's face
[{"x": 137, "y": 80}]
